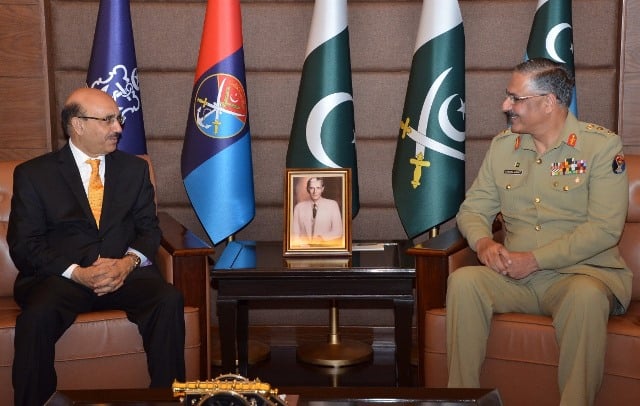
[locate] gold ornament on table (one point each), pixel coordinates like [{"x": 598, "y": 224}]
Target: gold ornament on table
[{"x": 227, "y": 390}]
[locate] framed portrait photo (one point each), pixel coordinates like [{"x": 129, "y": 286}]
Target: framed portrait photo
[{"x": 317, "y": 212}]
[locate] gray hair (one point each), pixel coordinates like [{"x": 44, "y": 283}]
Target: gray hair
[
  {"x": 321, "y": 180},
  {"x": 549, "y": 77},
  {"x": 69, "y": 111}
]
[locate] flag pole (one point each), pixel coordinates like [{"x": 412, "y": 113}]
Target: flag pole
[
  {"x": 433, "y": 233},
  {"x": 326, "y": 81}
]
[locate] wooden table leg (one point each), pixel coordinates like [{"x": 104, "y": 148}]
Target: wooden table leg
[
  {"x": 227, "y": 321},
  {"x": 242, "y": 329},
  {"x": 403, "y": 311}
]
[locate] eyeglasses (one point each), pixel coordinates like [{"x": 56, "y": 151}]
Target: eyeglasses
[
  {"x": 108, "y": 119},
  {"x": 519, "y": 99}
]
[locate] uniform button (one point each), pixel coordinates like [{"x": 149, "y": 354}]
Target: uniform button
[
  {"x": 538, "y": 228},
  {"x": 508, "y": 187},
  {"x": 538, "y": 161},
  {"x": 555, "y": 184},
  {"x": 537, "y": 200},
  {"x": 565, "y": 188}
]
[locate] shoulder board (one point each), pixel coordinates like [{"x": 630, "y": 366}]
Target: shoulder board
[
  {"x": 506, "y": 132},
  {"x": 596, "y": 129}
]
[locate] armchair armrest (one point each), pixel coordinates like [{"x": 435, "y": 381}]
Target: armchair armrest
[
  {"x": 435, "y": 259},
  {"x": 184, "y": 260}
]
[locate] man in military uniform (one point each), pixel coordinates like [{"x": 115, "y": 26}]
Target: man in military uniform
[{"x": 562, "y": 191}]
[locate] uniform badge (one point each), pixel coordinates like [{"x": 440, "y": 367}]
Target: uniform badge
[
  {"x": 572, "y": 140},
  {"x": 619, "y": 165},
  {"x": 569, "y": 166},
  {"x": 517, "y": 144}
]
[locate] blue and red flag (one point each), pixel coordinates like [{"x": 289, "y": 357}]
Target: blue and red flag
[
  {"x": 114, "y": 70},
  {"x": 216, "y": 156}
]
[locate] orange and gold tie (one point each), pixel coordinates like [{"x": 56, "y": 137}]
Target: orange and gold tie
[{"x": 96, "y": 189}]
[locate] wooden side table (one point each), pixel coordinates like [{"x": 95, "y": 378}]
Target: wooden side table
[{"x": 386, "y": 275}]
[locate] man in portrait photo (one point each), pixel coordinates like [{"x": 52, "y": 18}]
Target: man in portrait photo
[{"x": 317, "y": 220}]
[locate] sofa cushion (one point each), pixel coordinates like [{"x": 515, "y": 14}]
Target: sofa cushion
[
  {"x": 531, "y": 338},
  {"x": 107, "y": 336},
  {"x": 9, "y": 271},
  {"x": 523, "y": 343}
]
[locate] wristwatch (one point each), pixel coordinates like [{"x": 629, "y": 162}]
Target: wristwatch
[{"x": 136, "y": 259}]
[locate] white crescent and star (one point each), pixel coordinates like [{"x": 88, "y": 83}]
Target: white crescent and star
[
  {"x": 419, "y": 134},
  {"x": 550, "y": 41},
  {"x": 445, "y": 123},
  {"x": 318, "y": 114}
]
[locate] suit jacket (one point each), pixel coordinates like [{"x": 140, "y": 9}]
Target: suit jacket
[
  {"x": 328, "y": 221},
  {"x": 51, "y": 226}
]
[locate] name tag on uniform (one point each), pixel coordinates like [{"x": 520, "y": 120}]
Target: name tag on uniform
[{"x": 512, "y": 172}]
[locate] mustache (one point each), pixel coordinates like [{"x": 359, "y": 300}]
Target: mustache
[{"x": 510, "y": 115}]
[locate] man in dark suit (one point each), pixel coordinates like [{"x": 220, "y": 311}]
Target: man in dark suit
[{"x": 75, "y": 258}]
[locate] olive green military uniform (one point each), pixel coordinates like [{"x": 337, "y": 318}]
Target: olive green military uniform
[{"x": 568, "y": 207}]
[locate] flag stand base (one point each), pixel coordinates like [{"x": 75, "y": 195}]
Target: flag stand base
[{"x": 335, "y": 353}]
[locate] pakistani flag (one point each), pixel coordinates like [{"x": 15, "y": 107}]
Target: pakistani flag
[
  {"x": 428, "y": 171},
  {"x": 323, "y": 130},
  {"x": 552, "y": 37}
]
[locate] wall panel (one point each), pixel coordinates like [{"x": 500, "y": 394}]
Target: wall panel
[
  {"x": 24, "y": 87},
  {"x": 629, "y": 96},
  {"x": 20, "y": 46}
]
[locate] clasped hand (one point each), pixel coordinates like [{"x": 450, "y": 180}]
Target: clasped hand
[
  {"x": 104, "y": 276},
  {"x": 516, "y": 265}
]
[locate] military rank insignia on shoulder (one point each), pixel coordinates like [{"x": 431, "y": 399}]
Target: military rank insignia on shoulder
[
  {"x": 504, "y": 132},
  {"x": 619, "y": 165},
  {"x": 594, "y": 128}
]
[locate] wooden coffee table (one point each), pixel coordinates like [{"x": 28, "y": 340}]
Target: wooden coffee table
[{"x": 297, "y": 396}]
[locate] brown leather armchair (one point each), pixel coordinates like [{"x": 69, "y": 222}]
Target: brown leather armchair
[
  {"x": 522, "y": 353},
  {"x": 104, "y": 349}
]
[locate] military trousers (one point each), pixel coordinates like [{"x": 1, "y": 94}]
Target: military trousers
[{"x": 578, "y": 304}]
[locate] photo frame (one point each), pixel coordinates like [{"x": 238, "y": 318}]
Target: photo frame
[{"x": 317, "y": 212}]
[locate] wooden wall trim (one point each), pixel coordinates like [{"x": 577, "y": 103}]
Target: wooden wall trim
[
  {"x": 25, "y": 108},
  {"x": 629, "y": 83}
]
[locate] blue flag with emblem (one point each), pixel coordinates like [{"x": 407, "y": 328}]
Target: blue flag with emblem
[
  {"x": 551, "y": 37},
  {"x": 114, "y": 70},
  {"x": 428, "y": 169},
  {"x": 217, "y": 170},
  {"x": 323, "y": 130}
]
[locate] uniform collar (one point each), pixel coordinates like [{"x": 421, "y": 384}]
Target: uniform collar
[{"x": 570, "y": 136}]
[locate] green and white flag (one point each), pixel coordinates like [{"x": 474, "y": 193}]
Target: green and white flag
[
  {"x": 323, "y": 130},
  {"x": 428, "y": 170},
  {"x": 551, "y": 37}
]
